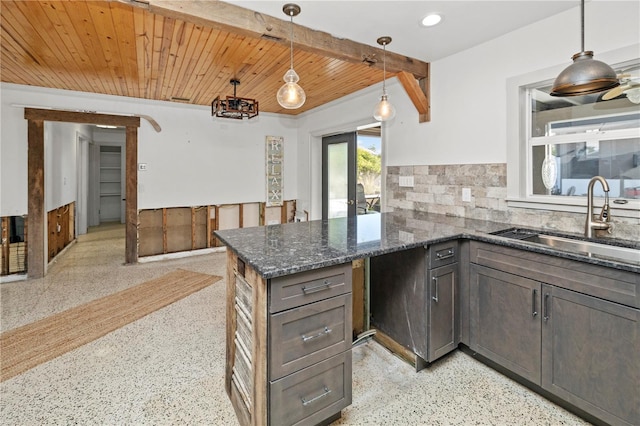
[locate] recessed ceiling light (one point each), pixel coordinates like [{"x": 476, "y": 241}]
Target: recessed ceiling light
[{"x": 431, "y": 20}]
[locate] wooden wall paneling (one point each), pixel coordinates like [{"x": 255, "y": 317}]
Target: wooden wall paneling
[
  {"x": 193, "y": 228},
  {"x": 63, "y": 222},
  {"x": 165, "y": 248},
  {"x": 6, "y": 246},
  {"x": 52, "y": 245},
  {"x": 151, "y": 232},
  {"x": 178, "y": 229},
  {"x": 71, "y": 223},
  {"x": 250, "y": 215},
  {"x": 201, "y": 220}
]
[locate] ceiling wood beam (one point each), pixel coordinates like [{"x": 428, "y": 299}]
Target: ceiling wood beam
[
  {"x": 418, "y": 93},
  {"x": 80, "y": 117},
  {"x": 228, "y": 17}
]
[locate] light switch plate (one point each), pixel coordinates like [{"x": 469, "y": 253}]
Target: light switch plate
[
  {"x": 466, "y": 194},
  {"x": 142, "y": 167},
  {"x": 406, "y": 181}
]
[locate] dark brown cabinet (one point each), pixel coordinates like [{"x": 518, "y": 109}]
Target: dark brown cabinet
[
  {"x": 414, "y": 300},
  {"x": 288, "y": 354},
  {"x": 591, "y": 354},
  {"x": 505, "y": 320},
  {"x": 443, "y": 311},
  {"x": 581, "y": 348}
]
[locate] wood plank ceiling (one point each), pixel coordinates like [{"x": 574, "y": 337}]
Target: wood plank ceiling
[{"x": 116, "y": 48}]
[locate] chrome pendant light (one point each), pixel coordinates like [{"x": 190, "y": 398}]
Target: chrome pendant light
[
  {"x": 384, "y": 110},
  {"x": 291, "y": 95},
  {"x": 585, "y": 75}
]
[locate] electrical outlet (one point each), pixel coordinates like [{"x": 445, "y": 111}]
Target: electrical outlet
[
  {"x": 142, "y": 167},
  {"x": 466, "y": 194}
]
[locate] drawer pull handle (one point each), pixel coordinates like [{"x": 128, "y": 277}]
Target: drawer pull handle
[
  {"x": 324, "y": 332},
  {"x": 326, "y": 392},
  {"x": 546, "y": 307},
  {"x": 446, "y": 255},
  {"x": 326, "y": 284}
]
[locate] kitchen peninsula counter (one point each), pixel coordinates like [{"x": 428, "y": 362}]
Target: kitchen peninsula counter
[
  {"x": 291, "y": 293},
  {"x": 278, "y": 250}
]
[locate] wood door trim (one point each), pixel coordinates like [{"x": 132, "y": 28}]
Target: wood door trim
[{"x": 36, "y": 185}]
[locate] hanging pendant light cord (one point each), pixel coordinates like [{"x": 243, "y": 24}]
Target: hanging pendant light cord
[
  {"x": 291, "y": 40},
  {"x": 582, "y": 25},
  {"x": 384, "y": 68}
]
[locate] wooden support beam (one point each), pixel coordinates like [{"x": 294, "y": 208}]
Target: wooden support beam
[
  {"x": 80, "y": 117},
  {"x": 35, "y": 204},
  {"x": 228, "y": 17},
  {"x": 131, "y": 193},
  {"x": 418, "y": 92}
]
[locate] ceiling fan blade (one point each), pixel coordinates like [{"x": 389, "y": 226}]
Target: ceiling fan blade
[{"x": 615, "y": 92}]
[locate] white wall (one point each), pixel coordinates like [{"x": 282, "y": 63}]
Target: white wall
[
  {"x": 195, "y": 160},
  {"x": 199, "y": 160},
  {"x": 469, "y": 94},
  {"x": 60, "y": 176}
]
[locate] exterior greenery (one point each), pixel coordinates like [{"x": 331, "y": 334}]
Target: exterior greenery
[{"x": 369, "y": 168}]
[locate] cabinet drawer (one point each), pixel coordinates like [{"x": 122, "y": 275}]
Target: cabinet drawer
[
  {"x": 443, "y": 254},
  {"x": 313, "y": 394},
  {"x": 310, "y": 286},
  {"x": 309, "y": 334}
]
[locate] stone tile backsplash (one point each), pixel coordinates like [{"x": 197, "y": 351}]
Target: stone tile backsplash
[{"x": 438, "y": 189}]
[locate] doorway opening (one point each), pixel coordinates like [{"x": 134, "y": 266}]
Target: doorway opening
[
  {"x": 36, "y": 209},
  {"x": 352, "y": 173}
]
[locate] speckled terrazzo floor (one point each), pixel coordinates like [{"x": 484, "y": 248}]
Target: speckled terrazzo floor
[{"x": 168, "y": 367}]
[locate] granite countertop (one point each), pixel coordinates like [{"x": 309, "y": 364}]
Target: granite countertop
[{"x": 277, "y": 250}]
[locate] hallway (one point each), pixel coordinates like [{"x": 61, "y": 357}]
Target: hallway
[{"x": 168, "y": 367}]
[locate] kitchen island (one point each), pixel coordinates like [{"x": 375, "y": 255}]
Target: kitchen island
[{"x": 289, "y": 304}]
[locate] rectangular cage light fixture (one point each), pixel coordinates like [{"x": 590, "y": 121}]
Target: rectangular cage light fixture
[{"x": 233, "y": 106}]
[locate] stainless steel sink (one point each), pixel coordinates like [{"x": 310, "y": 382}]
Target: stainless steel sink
[{"x": 589, "y": 248}]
